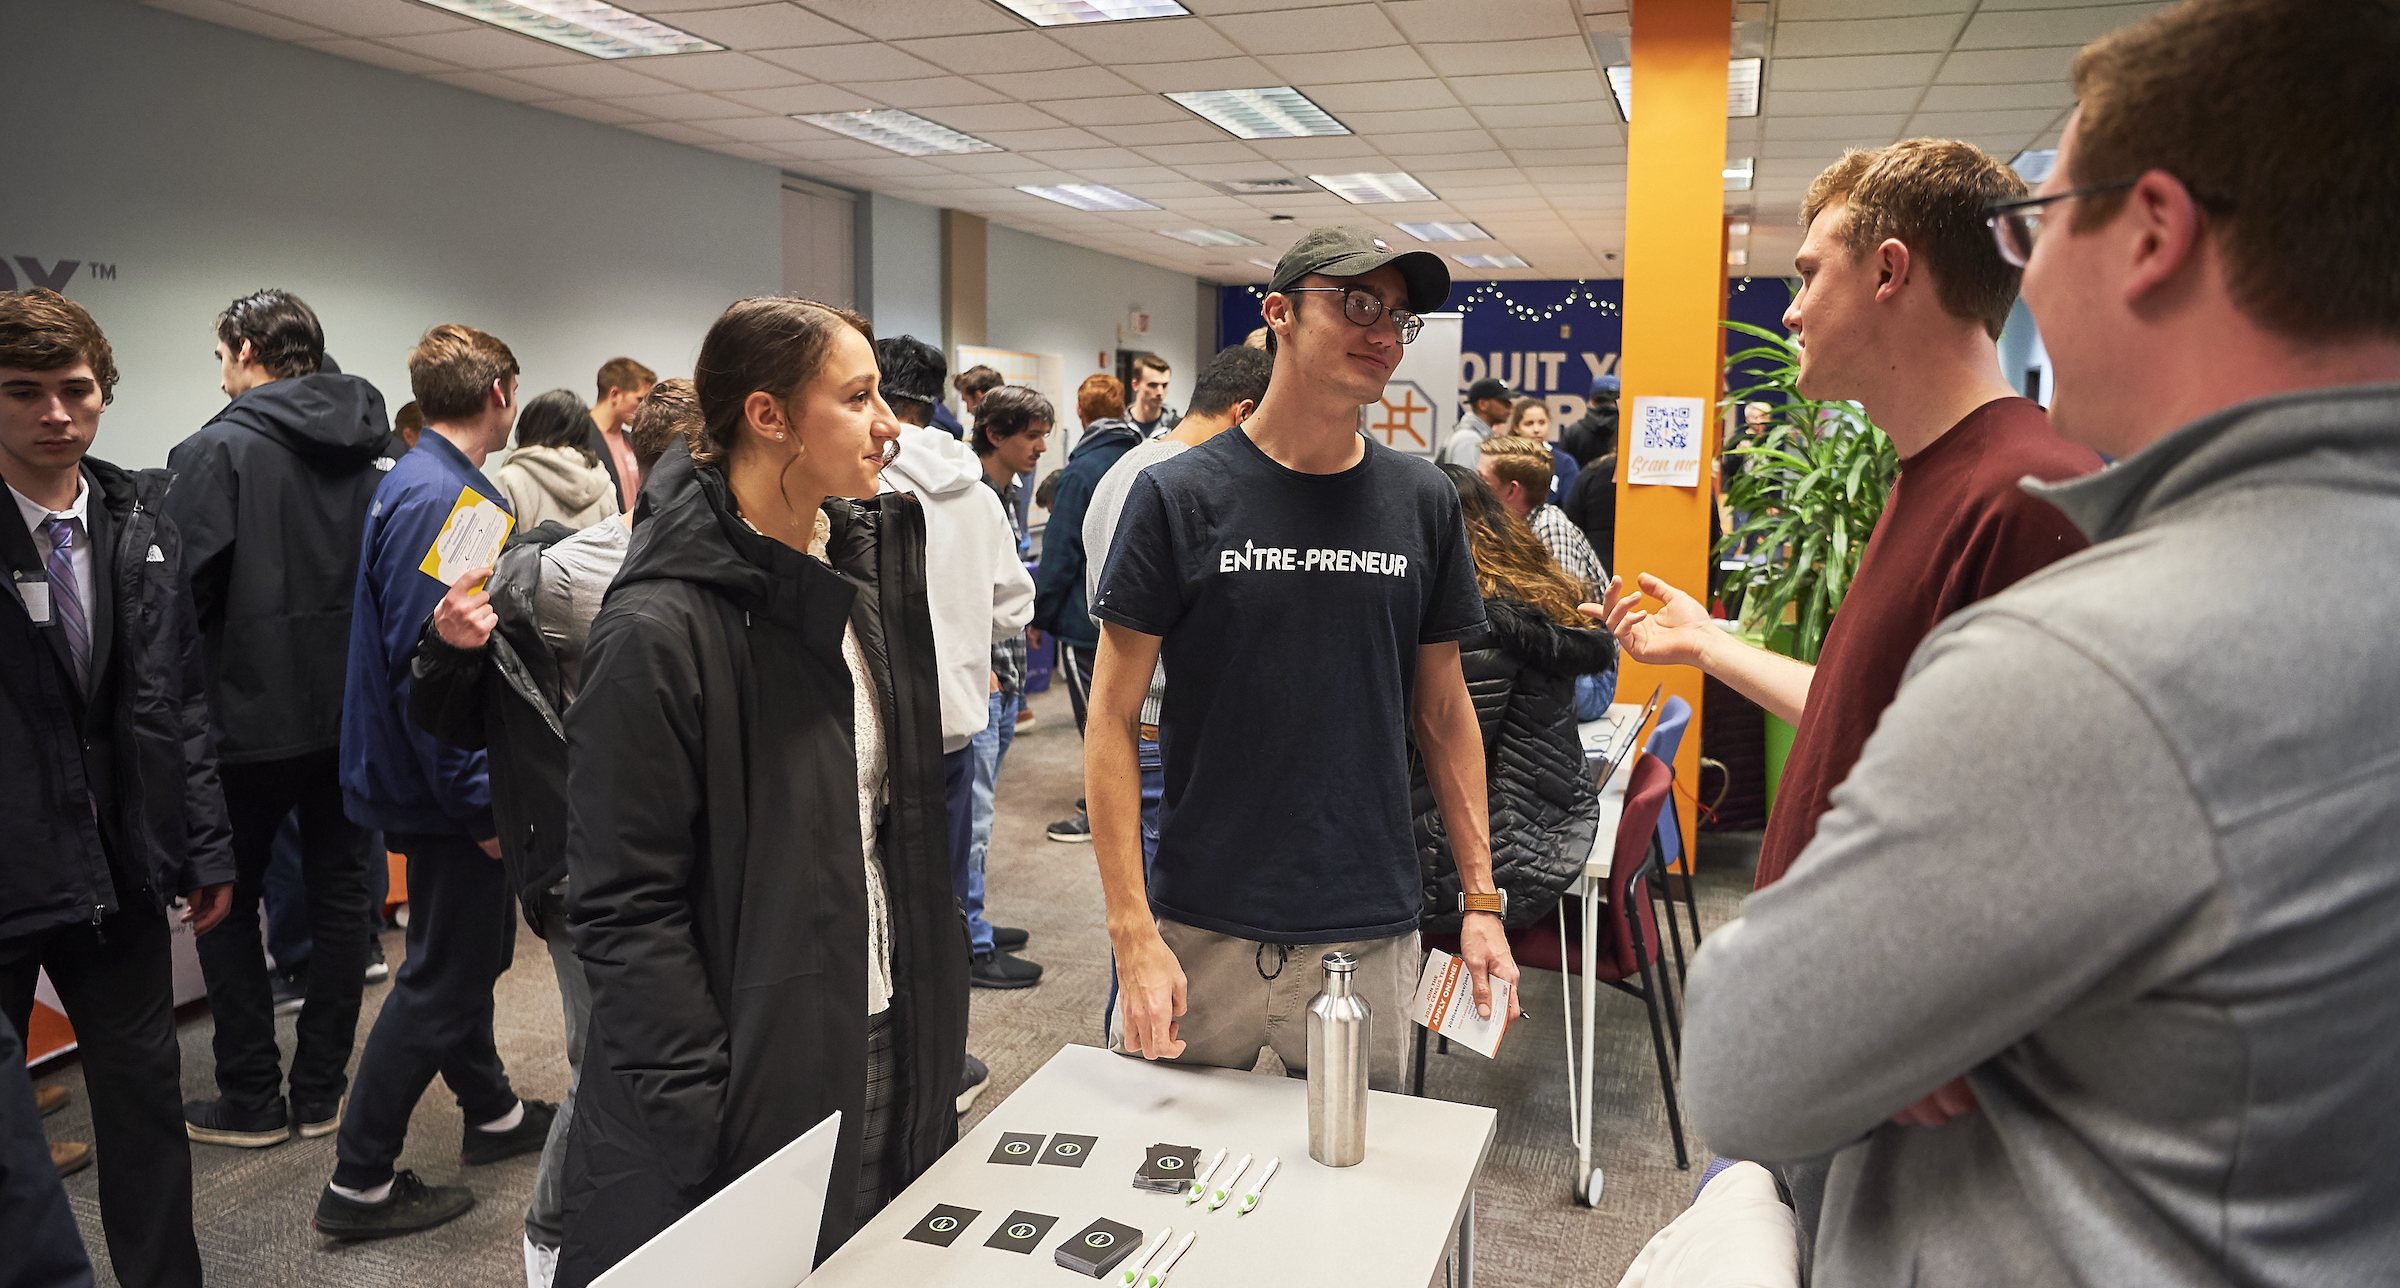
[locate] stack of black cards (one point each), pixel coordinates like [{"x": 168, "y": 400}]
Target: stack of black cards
[
  {"x": 1020, "y": 1149},
  {"x": 1097, "y": 1248},
  {"x": 1168, "y": 1170}
]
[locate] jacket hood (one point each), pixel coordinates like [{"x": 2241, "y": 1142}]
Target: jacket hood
[
  {"x": 932, "y": 463},
  {"x": 2330, "y": 438},
  {"x": 686, "y": 529},
  {"x": 1104, "y": 431},
  {"x": 563, "y": 473},
  {"x": 1530, "y": 635},
  {"x": 328, "y": 416}
]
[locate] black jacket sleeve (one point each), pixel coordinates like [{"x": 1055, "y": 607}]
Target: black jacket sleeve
[
  {"x": 208, "y": 835},
  {"x": 445, "y": 690}
]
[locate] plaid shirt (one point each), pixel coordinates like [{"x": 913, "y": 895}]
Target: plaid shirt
[
  {"x": 1569, "y": 547},
  {"x": 1008, "y": 655}
]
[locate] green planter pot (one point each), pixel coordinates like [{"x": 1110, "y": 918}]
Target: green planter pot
[{"x": 1779, "y": 747}]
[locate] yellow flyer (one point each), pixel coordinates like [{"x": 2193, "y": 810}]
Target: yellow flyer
[{"x": 471, "y": 537}]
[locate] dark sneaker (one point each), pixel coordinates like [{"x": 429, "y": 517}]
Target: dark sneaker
[
  {"x": 377, "y": 972},
  {"x": 221, "y": 1122},
  {"x": 999, "y": 970},
  {"x": 289, "y": 990},
  {"x": 318, "y": 1119},
  {"x": 972, "y": 1079},
  {"x": 1072, "y": 831},
  {"x": 413, "y": 1206},
  {"x": 527, "y": 1137},
  {"x": 1008, "y": 939}
]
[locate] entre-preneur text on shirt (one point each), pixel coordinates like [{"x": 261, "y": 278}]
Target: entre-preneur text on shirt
[{"x": 1256, "y": 558}]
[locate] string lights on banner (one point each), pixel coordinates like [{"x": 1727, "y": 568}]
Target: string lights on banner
[{"x": 1492, "y": 293}]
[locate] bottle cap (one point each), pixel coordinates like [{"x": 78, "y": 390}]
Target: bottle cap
[{"x": 1340, "y": 963}]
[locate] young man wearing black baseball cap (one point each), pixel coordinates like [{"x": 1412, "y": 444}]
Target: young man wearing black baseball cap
[
  {"x": 1488, "y": 404},
  {"x": 1311, "y": 586}
]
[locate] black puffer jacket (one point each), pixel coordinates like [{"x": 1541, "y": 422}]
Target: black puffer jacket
[
  {"x": 1521, "y": 671},
  {"x": 715, "y": 884}
]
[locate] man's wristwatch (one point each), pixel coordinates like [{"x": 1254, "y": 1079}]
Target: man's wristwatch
[{"x": 1495, "y": 903}]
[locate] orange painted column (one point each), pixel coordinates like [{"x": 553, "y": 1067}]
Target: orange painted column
[{"x": 1674, "y": 294}]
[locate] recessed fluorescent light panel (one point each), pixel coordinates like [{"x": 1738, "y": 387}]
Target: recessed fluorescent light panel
[
  {"x": 2034, "y": 164},
  {"x": 1087, "y": 196},
  {"x": 1275, "y": 112},
  {"x": 1369, "y": 189},
  {"x": 1741, "y": 87},
  {"x": 585, "y": 26},
  {"x": 1737, "y": 229},
  {"x": 1491, "y": 261},
  {"x": 906, "y": 133},
  {"x": 1068, "y": 13},
  {"x": 1738, "y": 173},
  {"x": 1444, "y": 232},
  {"x": 1211, "y": 237}
]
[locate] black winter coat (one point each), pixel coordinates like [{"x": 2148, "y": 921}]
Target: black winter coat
[
  {"x": 1521, "y": 671},
  {"x": 272, "y": 497},
  {"x": 1593, "y": 434},
  {"x": 506, "y": 698},
  {"x": 1592, "y": 506},
  {"x": 131, "y": 756},
  {"x": 716, "y": 889}
]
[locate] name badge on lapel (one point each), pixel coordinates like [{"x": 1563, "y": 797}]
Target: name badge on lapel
[{"x": 36, "y": 595}]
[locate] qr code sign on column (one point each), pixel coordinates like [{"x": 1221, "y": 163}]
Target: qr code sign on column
[{"x": 1667, "y": 428}]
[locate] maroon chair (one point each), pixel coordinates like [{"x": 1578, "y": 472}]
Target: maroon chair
[{"x": 1629, "y": 944}]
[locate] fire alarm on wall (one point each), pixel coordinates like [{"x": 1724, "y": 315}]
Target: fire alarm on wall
[{"x": 1137, "y": 323}]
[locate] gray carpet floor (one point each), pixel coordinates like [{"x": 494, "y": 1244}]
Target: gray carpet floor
[{"x": 252, "y": 1206}]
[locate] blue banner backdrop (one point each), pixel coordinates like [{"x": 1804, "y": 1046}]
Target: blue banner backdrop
[{"x": 1543, "y": 338}]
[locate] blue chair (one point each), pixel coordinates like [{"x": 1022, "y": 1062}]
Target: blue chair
[{"x": 1666, "y": 737}]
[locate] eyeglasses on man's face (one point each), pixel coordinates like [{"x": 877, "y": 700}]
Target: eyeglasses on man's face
[
  {"x": 2017, "y": 225},
  {"x": 1360, "y": 306}
]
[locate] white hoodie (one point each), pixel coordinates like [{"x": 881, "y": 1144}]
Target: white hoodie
[{"x": 977, "y": 591}]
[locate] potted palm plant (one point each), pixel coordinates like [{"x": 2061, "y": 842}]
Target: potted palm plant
[{"x": 1805, "y": 500}]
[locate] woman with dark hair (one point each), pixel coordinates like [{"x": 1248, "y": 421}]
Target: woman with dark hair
[
  {"x": 1521, "y": 671},
  {"x": 552, "y": 474},
  {"x": 1530, "y": 418},
  {"x": 758, "y": 874}
]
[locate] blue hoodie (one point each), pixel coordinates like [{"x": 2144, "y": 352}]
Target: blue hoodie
[
  {"x": 395, "y": 777},
  {"x": 1058, "y": 596}
]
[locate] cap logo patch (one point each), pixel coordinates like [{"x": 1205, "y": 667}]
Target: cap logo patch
[{"x": 1379, "y": 244}]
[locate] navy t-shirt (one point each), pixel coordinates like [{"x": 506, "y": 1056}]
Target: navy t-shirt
[{"x": 1292, "y": 606}]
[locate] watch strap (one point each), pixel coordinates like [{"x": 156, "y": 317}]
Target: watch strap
[{"x": 1495, "y": 903}]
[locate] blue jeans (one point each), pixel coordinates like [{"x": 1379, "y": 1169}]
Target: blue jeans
[{"x": 990, "y": 748}]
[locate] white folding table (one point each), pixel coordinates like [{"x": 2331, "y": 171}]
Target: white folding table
[
  {"x": 1591, "y": 890},
  {"x": 1388, "y": 1220}
]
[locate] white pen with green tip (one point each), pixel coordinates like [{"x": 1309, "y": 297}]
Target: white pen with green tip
[
  {"x": 1156, "y": 1274},
  {"x": 1257, "y": 1187},
  {"x": 1200, "y": 1179},
  {"x": 1218, "y": 1195},
  {"x": 1131, "y": 1275}
]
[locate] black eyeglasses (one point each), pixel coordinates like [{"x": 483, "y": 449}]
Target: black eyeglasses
[
  {"x": 1361, "y": 306},
  {"x": 2017, "y": 225}
]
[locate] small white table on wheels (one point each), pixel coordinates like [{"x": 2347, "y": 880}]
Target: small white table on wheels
[
  {"x": 1591, "y": 888},
  {"x": 1388, "y": 1220}
]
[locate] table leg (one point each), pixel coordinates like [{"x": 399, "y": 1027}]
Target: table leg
[
  {"x": 1466, "y": 1246},
  {"x": 1586, "y": 1179}
]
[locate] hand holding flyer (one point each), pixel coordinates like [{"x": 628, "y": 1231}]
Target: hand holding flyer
[
  {"x": 470, "y": 538},
  {"x": 1445, "y": 1003}
]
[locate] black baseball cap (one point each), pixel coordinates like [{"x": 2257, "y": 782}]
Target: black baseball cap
[
  {"x": 1343, "y": 251},
  {"x": 1488, "y": 388}
]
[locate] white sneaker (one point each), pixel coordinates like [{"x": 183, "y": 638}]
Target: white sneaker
[{"x": 541, "y": 1264}]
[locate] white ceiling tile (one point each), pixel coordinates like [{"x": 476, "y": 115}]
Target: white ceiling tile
[
  {"x": 1319, "y": 153},
  {"x": 1073, "y": 82},
  {"x": 677, "y": 132},
  {"x": 367, "y": 51},
  {"x": 1931, "y": 33},
  {"x": 676, "y": 107},
  {"x": 720, "y": 71},
  {"x": 1590, "y": 112},
  {"x": 1992, "y": 98},
  {"x": 763, "y": 26},
  {"x": 1239, "y": 72},
  {"x": 1432, "y": 22},
  {"x": 1134, "y": 109},
  {"x": 1058, "y": 139},
  {"x": 1885, "y": 126},
  {"x": 1819, "y": 152},
  {"x": 369, "y": 18},
  {"x": 1195, "y": 131},
  {"x": 889, "y": 166},
  {"x": 1306, "y": 70},
  {"x": 2021, "y": 123},
  {"x": 592, "y": 80},
  {"x": 1540, "y": 159},
  {"x": 928, "y": 92},
  {"x": 1552, "y": 136},
  {"x": 1181, "y": 155},
  {"x": 1382, "y": 96},
  {"x": 2026, "y": 28},
  {"x": 1550, "y": 54},
  {"x": 991, "y": 165},
  {"x": 250, "y": 20},
  {"x": 1238, "y": 168},
  {"x": 1119, "y": 176},
  {"x": 745, "y": 151},
  {"x": 898, "y": 19},
  {"x": 1839, "y": 102},
  {"x": 853, "y": 64},
  {"x": 1492, "y": 178},
  {"x": 2007, "y": 66},
  {"x": 1335, "y": 27},
  {"x": 498, "y": 86},
  {"x": 1791, "y": 167},
  {"x": 1531, "y": 87},
  {"x": 487, "y": 49},
  {"x": 976, "y": 119},
  {"x": 1865, "y": 71},
  {"x": 1082, "y": 159},
  {"x": 604, "y": 113},
  {"x": 1432, "y": 118},
  {"x": 801, "y": 98},
  {"x": 1016, "y": 51},
  {"x": 1156, "y": 41},
  {"x": 762, "y": 129}
]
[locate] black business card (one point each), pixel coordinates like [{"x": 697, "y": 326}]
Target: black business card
[
  {"x": 1168, "y": 1169},
  {"x": 1017, "y": 1149},
  {"x": 942, "y": 1226},
  {"x": 1069, "y": 1151},
  {"x": 1021, "y": 1231},
  {"x": 1097, "y": 1248}
]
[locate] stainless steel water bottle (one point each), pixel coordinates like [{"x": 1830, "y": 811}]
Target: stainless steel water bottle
[{"x": 1338, "y": 1020}]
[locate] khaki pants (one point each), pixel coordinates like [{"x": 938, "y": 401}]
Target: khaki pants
[{"x": 1241, "y": 995}]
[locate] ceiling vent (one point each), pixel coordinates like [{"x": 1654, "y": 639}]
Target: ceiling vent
[{"x": 1277, "y": 186}]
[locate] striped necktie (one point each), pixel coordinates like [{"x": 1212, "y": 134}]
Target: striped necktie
[{"x": 65, "y": 602}]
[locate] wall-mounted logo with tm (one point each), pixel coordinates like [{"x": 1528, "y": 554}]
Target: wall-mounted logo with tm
[{"x": 24, "y": 272}]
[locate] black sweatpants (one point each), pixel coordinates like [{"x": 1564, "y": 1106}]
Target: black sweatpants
[
  {"x": 43, "y": 1249},
  {"x": 333, "y": 869},
  {"x": 117, "y": 982},
  {"x": 462, "y": 934}
]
